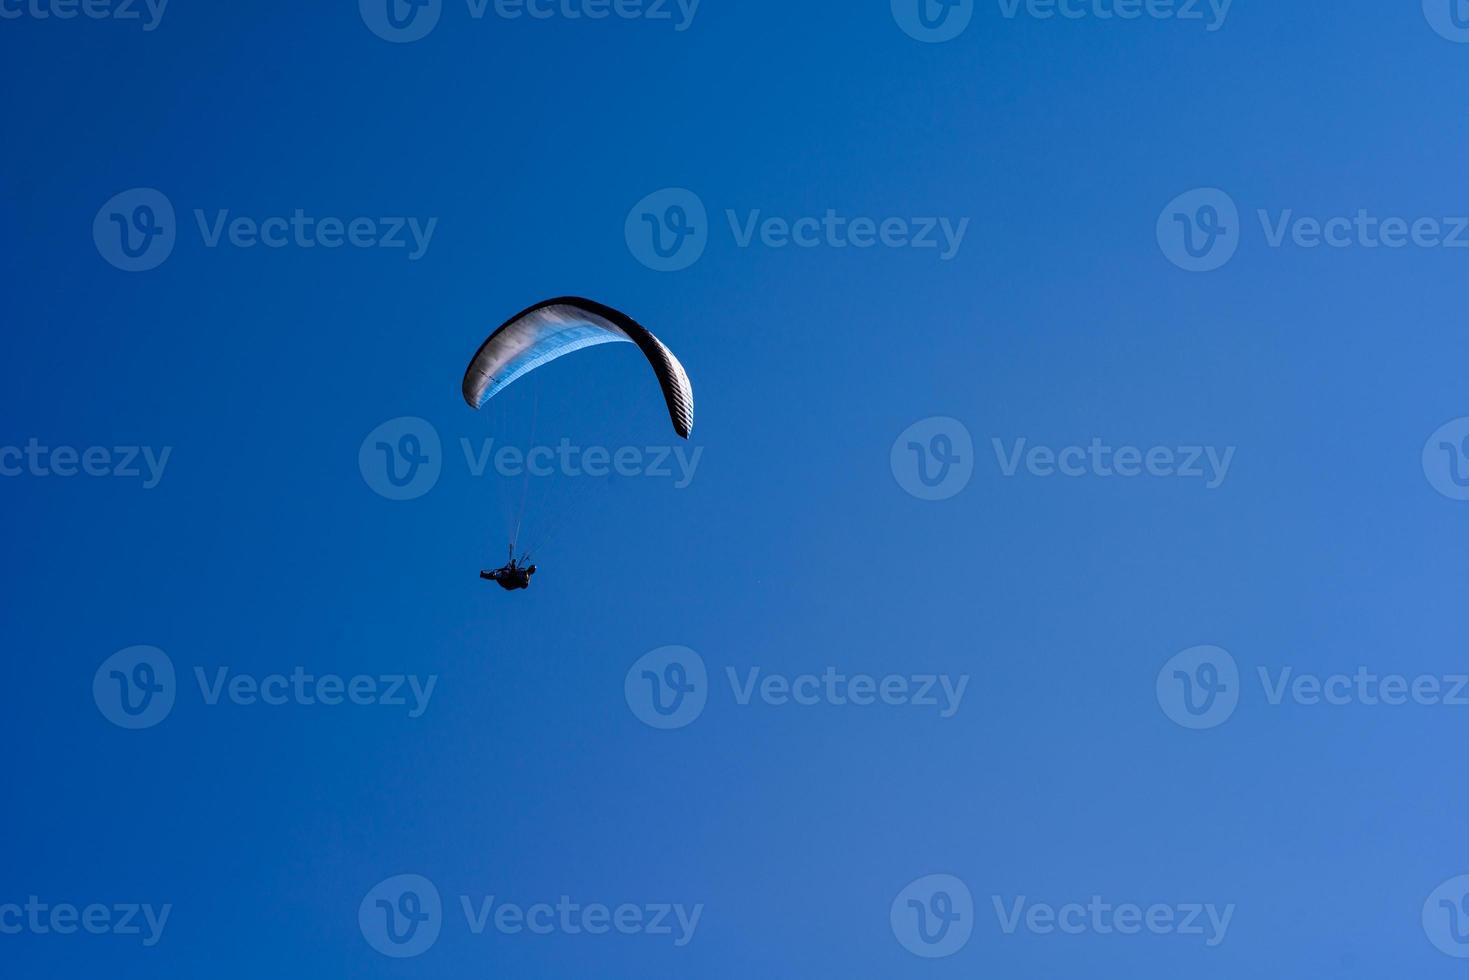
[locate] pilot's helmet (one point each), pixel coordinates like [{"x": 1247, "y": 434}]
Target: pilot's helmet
[{"x": 530, "y": 570}]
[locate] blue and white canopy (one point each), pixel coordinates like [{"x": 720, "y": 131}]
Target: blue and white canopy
[{"x": 557, "y": 327}]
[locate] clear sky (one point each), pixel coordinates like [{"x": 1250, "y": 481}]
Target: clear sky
[{"x": 1101, "y": 278}]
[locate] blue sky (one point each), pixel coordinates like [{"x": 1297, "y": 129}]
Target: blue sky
[{"x": 246, "y": 386}]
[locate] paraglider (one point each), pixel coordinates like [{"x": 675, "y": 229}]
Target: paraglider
[
  {"x": 512, "y": 576},
  {"x": 552, "y": 329}
]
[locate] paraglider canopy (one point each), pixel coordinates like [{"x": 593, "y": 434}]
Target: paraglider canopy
[{"x": 554, "y": 328}]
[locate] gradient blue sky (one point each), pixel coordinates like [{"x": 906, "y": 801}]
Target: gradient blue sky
[{"x": 795, "y": 548}]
